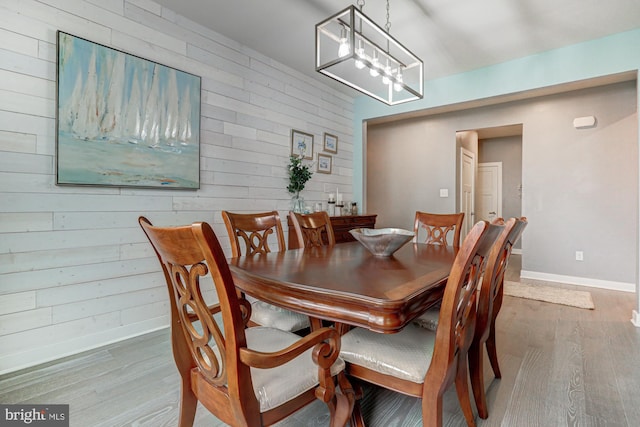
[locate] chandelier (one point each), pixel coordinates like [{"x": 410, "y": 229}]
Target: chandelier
[{"x": 354, "y": 50}]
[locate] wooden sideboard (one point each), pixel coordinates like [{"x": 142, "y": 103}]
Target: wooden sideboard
[{"x": 341, "y": 226}]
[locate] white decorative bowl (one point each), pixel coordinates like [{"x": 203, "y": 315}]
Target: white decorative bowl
[{"x": 382, "y": 241}]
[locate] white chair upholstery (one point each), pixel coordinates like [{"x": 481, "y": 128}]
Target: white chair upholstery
[
  {"x": 407, "y": 354},
  {"x": 429, "y": 319},
  {"x": 263, "y": 313},
  {"x": 276, "y": 386}
]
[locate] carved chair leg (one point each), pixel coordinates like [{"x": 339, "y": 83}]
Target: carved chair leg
[
  {"x": 342, "y": 411},
  {"x": 354, "y": 392},
  {"x": 357, "y": 420},
  {"x": 188, "y": 405},
  {"x": 331, "y": 404},
  {"x": 462, "y": 388},
  {"x": 348, "y": 390},
  {"x": 341, "y": 406},
  {"x": 477, "y": 378},
  {"x": 182, "y": 357},
  {"x": 334, "y": 402},
  {"x": 491, "y": 340},
  {"x": 432, "y": 409},
  {"x": 492, "y": 351}
]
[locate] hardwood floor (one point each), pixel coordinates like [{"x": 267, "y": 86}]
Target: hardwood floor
[{"x": 561, "y": 366}]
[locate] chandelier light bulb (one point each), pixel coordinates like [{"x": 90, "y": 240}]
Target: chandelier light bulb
[
  {"x": 373, "y": 71},
  {"x": 343, "y": 49},
  {"x": 386, "y": 74},
  {"x": 360, "y": 53},
  {"x": 397, "y": 86}
]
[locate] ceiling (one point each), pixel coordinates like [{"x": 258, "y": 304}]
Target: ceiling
[{"x": 450, "y": 36}]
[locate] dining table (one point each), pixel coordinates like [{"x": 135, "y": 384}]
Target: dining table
[{"x": 347, "y": 284}]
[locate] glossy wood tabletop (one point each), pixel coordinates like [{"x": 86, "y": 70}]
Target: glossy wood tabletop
[{"x": 346, "y": 284}]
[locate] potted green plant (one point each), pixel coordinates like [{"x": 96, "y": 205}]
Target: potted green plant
[{"x": 299, "y": 175}]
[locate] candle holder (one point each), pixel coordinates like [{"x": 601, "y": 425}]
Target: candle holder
[{"x": 331, "y": 207}]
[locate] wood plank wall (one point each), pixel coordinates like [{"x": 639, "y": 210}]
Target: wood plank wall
[{"x": 75, "y": 270}]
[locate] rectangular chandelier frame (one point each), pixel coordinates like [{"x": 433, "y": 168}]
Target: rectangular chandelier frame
[{"x": 355, "y": 51}]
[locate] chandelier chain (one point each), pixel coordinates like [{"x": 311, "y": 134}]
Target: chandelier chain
[{"x": 388, "y": 24}]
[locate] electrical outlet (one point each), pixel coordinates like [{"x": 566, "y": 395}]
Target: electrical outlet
[{"x": 579, "y": 256}]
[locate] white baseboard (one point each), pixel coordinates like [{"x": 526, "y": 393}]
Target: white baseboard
[
  {"x": 580, "y": 281},
  {"x": 635, "y": 319}
]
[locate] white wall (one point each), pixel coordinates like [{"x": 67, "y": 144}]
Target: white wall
[
  {"x": 75, "y": 270},
  {"x": 580, "y": 186}
]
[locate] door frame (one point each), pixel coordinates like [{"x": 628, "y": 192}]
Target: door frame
[{"x": 469, "y": 216}]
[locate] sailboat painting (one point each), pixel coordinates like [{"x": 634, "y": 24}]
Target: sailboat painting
[{"x": 124, "y": 121}]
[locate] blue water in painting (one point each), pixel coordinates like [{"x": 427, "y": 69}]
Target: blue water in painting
[{"x": 121, "y": 163}]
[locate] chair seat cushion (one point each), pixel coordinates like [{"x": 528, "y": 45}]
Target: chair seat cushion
[
  {"x": 266, "y": 314},
  {"x": 429, "y": 319},
  {"x": 276, "y": 386},
  {"x": 405, "y": 355}
]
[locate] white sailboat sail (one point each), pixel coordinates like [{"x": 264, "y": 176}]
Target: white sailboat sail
[
  {"x": 69, "y": 113},
  {"x": 133, "y": 111},
  {"x": 151, "y": 125},
  {"x": 86, "y": 125},
  {"x": 111, "y": 120},
  {"x": 185, "y": 119},
  {"x": 171, "y": 102}
]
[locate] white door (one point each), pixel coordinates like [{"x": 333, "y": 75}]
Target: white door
[
  {"x": 467, "y": 186},
  {"x": 489, "y": 191}
]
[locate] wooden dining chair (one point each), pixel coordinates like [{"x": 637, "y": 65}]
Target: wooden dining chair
[
  {"x": 429, "y": 319},
  {"x": 253, "y": 232},
  {"x": 422, "y": 363},
  {"x": 249, "y": 234},
  {"x": 313, "y": 229},
  {"x": 489, "y": 304},
  {"x": 244, "y": 376},
  {"x": 438, "y": 228}
]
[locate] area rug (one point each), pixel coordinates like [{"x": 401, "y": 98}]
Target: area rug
[{"x": 580, "y": 299}]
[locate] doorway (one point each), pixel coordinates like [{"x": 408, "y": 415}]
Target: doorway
[{"x": 497, "y": 145}]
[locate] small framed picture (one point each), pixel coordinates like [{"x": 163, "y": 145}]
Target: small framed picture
[
  {"x": 301, "y": 144},
  {"x": 324, "y": 163},
  {"x": 330, "y": 143}
]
